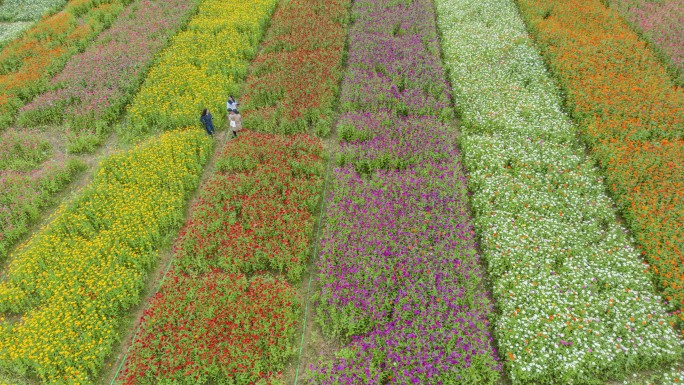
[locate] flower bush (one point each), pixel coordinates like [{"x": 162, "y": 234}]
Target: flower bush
[
  {"x": 27, "y": 63},
  {"x": 293, "y": 82},
  {"x": 26, "y": 184},
  {"x": 630, "y": 113},
  {"x": 400, "y": 279},
  {"x": 201, "y": 66},
  {"x": 216, "y": 328},
  {"x": 257, "y": 212},
  {"x": 22, "y": 150},
  {"x": 575, "y": 303},
  {"x": 92, "y": 90},
  {"x": 74, "y": 281}
]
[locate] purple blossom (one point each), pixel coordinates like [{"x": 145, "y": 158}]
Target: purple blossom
[{"x": 399, "y": 272}]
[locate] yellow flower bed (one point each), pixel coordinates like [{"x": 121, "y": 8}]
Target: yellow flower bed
[
  {"x": 201, "y": 67},
  {"x": 75, "y": 280}
]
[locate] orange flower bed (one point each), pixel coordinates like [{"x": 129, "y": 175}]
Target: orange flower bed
[
  {"x": 631, "y": 113},
  {"x": 27, "y": 63}
]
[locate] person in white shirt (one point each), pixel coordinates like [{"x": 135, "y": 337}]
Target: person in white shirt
[{"x": 231, "y": 104}]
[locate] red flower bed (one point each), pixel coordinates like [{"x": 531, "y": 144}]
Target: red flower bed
[
  {"x": 214, "y": 327},
  {"x": 257, "y": 212},
  {"x": 209, "y": 323},
  {"x": 294, "y": 80}
]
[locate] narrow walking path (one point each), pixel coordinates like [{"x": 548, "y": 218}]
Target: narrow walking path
[{"x": 130, "y": 326}]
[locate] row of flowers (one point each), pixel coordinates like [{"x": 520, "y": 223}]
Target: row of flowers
[
  {"x": 293, "y": 82},
  {"x": 94, "y": 87},
  {"x": 201, "y": 67},
  {"x": 74, "y": 281},
  {"x": 401, "y": 283},
  {"x": 28, "y": 62},
  {"x": 210, "y": 322},
  {"x": 576, "y": 305},
  {"x": 631, "y": 115}
]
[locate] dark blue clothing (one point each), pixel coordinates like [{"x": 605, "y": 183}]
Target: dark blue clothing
[{"x": 208, "y": 123}]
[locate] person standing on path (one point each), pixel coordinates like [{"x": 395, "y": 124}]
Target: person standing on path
[
  {"x": 235, "y": 122},
  {"x": 208, "y": 122}
]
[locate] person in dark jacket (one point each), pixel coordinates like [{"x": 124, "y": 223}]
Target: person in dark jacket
[{"x": 206, "y": 119}]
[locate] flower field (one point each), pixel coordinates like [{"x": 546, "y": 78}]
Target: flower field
[
  {"x": 94, "y": 87},
  {"x": 662, "y": 23},
  {"x": 27, "y": 63},
  {"x": 192, "y": 74},
  {"x": 575, "y": 303},
  {"x": 632, "y": 116},
  {"x": 399, "y": 272},
  {"x": 254, "y": 214},
  {"x": 496, "y": 188},
  {"x": 74, "y": 281},
  {"x": 293, "y": 82}
]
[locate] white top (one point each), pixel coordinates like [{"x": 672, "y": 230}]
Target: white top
[{"x": 231, "y": 105}]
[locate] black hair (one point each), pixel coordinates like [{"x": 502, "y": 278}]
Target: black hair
[{"x": 204, "y": 112}]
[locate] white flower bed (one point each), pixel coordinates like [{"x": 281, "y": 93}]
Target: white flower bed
[
  {"x": 28, "y": 10},
  {"x": 9, "y": 31},
  {"x": 575, "y": 304}
]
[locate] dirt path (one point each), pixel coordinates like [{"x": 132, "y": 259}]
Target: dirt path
[
  {"x": 130, "y": 326},
  {"x": 312, "y": 345}
]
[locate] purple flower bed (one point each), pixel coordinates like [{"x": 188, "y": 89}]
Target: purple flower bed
[
  {"x": 400, "y": 277},
  {"x": 95, "y": 85}
]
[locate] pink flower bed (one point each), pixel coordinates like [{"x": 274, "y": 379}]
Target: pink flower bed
[
  {"x": 662, "y": 22},
  {"x": 95, "y": 85}
]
